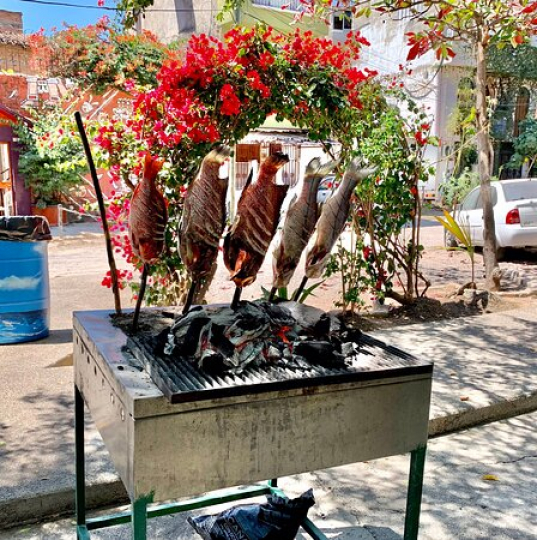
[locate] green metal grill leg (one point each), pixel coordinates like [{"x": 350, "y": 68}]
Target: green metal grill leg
[
  {"x": 80, "y": 474},
  {"x": 139, "y": 517},
  {"x": 415, "y": 488}
]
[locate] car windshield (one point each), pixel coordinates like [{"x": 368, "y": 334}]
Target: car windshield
[{"x": 516, "y": 191}]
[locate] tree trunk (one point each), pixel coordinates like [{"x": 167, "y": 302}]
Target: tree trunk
[{"x": 484, "y": 163}]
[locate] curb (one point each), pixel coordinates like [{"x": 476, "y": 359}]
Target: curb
[{"x": 56, "y": 504}]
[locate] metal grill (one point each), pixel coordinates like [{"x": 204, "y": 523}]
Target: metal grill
[{"x": 180, "y": 380}]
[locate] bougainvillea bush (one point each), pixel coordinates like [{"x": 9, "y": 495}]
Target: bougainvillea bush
[
  {"x": 98, "y": 56},
  {"x": 220, "y": 91}
]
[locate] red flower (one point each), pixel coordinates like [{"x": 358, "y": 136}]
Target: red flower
[{"x": 231, "y": 104}]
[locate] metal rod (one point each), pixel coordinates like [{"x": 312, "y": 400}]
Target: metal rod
[
  {"x": 183, "y": 506},
  {"x": 102, "y": 211},
  {"x": 141, "y": 293},
  {"x": 415, "y": 489},
  {"x": 190, "y": 297},
  {"x": 80, "y": 474},
  {"x": 300, "y": 289},
  {"x": 272, "y": 294},
  {"x": 236, "y": 298}
]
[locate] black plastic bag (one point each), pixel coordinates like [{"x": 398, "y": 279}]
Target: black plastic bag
[{"x": 278, "y": 519}]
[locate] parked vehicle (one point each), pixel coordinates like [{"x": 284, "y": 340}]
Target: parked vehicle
[
  {"x": 515, "y": 215},
  {"x": 327, "y": 186}
]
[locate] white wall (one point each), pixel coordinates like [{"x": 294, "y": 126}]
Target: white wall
[{"x": 172, "y": 20}]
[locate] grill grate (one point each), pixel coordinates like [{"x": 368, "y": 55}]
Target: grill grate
[{"x": 180, "y": 380}]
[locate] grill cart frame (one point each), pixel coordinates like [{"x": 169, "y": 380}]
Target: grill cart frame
[{"x": 165, "y": 451}]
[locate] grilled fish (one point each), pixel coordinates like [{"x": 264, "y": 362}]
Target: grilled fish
[
  {"x": 299, "y": 223},
  {"x": 258, "y": 213},
  {"x": 148, "y": 214},
  {"x": 333, "y": 218},
  {"x": 204, "y": 216}
]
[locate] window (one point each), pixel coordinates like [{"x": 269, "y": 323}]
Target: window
[
  {"x": 342, "y": 21},
  {"x": 470, "y": 202},
  {"x": 517, "y": 191},
  {"x": 42, "y": 86},
  {"x": 5, "y": 165}
]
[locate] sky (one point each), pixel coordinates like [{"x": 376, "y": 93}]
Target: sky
[{"x": 36, "y": 15}]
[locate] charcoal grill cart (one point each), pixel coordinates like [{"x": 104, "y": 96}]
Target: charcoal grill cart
[{"x": 211, "y": 433}]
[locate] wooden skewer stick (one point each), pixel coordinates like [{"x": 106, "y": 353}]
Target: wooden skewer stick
[
  {"x": 300, "y": 289},
  {"x": 190, "y": 297},
  {"x": 236, "y": 298},
  {"x": 272, "y": 294},
  {"x": 102, "y": 211},
  {"x": 141, "y": 294}
]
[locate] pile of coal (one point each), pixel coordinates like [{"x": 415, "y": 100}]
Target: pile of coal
[{"x": 219, "y": 338}]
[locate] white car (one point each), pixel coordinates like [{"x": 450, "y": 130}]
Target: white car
[
  {"x": 327, "y": 186},
  {"x": 515, "y": 214}
]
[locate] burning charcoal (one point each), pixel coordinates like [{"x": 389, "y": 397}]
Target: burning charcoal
[
  {"x": 212, "y": 362},
  {"x": 351, "y": 334},
  {"x": 278, "y": 519},
  {"x": 279, "y": 314},
  {"x": 319, "y": 353},
  {"x": 349, "y": 348},
  {"x": 307, "y": 317},
  {"x": 321, "y": 328},
  {"x": 273, "y": 353}
]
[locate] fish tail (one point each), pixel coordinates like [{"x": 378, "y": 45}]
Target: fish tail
[
  {"x": 356, "y": 169},
  {"x": 219, "y": 153},
  {"x": 316, "y": 168}
]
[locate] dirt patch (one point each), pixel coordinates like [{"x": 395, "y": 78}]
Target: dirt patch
[{"x": 439, "y": 305}]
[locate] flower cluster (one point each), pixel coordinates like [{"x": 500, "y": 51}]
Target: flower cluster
[{"x": 222, "y": 89}]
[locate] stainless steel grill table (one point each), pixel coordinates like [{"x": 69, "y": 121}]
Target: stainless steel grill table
[{"x": 216, "y": 433}]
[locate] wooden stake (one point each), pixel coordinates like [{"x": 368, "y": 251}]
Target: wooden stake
[
  {"x": 300, "y": 289},
  {"x": 102, "y": 211},
  {"x": 190, "y": 297},
  {"x": 272, "y": 294},
  {"x": 141, "y": 294},
  {"x": 236, "y": 298}
]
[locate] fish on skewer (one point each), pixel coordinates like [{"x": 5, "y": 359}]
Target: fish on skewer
[
  {"x": 258, "y": 213},
  {"x": 204, "y": 218},
  {"x": 148, "y": 217},
  {"x": 333, "y": 218},
  {"x": 299, "y": 224}
]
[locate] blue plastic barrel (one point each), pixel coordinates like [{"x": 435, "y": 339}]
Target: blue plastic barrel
[{"x": 24, "y": 282}]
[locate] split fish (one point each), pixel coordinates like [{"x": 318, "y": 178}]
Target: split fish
[
  {"x": 333, "y": 218},
  {"x": 258, "y": 213},
  {"x": 204, "y": 216},
  {"x": 299, "y": 224},
  {"x": 148, "y": 215}
]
